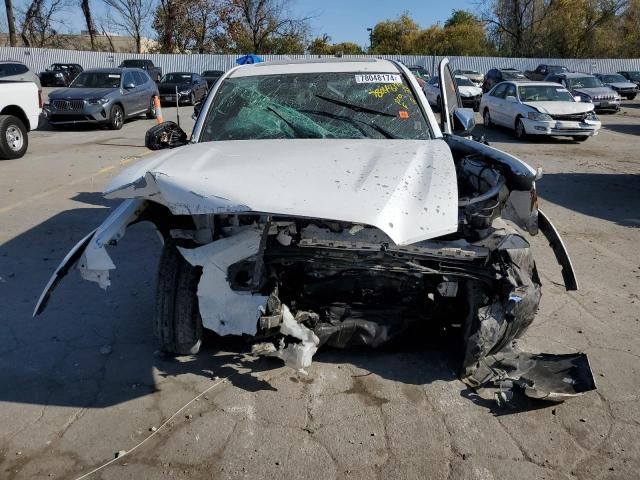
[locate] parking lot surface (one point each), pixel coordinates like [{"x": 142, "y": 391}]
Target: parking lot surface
[{"x": 82, "y": 382}]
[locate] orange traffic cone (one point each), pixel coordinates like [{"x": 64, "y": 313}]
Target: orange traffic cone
[{"x": 158, "y": 109}]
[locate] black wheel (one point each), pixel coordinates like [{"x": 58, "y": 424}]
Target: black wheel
[
  {"x": 631, "y": 97},
  {"x": 520, "y": 132},
  {"x": 486, "y": 119},
  {"x": 151, "y": 111},
  {"x": 192, "y": 99},
  {"x": 116, "y": 118},
  {"x": 581, "y": 138},
  {"x": 13, "y": 137},
  {"x": 178, "y": 325}
]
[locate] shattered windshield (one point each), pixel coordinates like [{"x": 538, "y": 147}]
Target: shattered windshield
[
  {"x": 584, "y": 82},
  {"x": 544, "y": 93},
  {"x": 315, "y": 105},
  {"x": 96, "y": 80}
]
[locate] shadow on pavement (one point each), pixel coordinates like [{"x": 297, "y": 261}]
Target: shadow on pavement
[
  {"x": 613, "y": 197},
  {"x": 93, "y": 348}
]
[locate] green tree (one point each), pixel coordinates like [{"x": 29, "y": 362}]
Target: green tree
[
  {"x": 397, "y": 37},
  {"x": 323, "y": 46}
]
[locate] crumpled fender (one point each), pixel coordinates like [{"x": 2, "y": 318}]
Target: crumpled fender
[{"x": 89, "y": 255}]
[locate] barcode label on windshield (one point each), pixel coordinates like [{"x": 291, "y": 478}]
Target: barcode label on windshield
[{"x": 378, "y": 78}]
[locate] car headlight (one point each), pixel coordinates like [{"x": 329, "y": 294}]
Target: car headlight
[
  {"x": 97, "y": 101},
  {"x": 584, "y": 97},
  {"x": 591, "y": 116},
  {"x": 185, "y": 92},
  {"x": 540, "y": 117}
]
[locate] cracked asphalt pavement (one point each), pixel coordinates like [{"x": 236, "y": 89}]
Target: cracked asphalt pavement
[{"x": 82, "y": 382}]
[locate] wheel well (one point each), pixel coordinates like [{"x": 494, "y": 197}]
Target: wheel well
[
  {"x": 16, "y": 112},
  {"x": 121, "y": 106}
]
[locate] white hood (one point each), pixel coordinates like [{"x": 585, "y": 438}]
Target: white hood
[
  {"x": 561, "y": 108},
  {"x": 406, "y": 188},
  {"x": 467, "y": 91}
]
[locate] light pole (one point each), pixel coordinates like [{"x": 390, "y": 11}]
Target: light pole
[{"x": 370, "y": 30}]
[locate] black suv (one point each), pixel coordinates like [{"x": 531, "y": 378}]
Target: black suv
[{"x": 497, "y": 75}]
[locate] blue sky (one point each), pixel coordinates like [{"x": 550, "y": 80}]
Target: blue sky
[
  {"x": 347, "y": 20},
  {"x": 342, "y": 20}
]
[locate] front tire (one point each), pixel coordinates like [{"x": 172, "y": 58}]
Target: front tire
[
  {"x": 178, "y": 325},
  {"x": 520, "y": 132},
  {"x": 581, "y": 138},
  {"x": 13, "y": 137},
  {"x": 486, "y": 119},
  {"x": 631, "y": 97},
  {"x": 116, "y": 117}
]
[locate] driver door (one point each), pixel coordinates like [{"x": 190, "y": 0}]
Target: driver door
[{"x": 453, "y": 117}]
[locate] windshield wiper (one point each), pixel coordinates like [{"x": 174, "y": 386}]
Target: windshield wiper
[
  {"x": 354, "y": 107},
  {"x": 353, "y": 121},
  {"x": 299, "y": 132}
]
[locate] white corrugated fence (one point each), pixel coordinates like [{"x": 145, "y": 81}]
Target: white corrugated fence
[{"x": 40, "y": 58}]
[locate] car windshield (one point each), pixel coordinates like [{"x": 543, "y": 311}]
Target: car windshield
[
  {"x": 613, "y": 79},
  {"x": 133, "y": 63},
  {"x": 464, "y": 82},
  {"x": 634, "y": 75},
  {"x": 57, "y": 67},
  {"x": 6, "y": 69},
  {"x": 176, "y": 78},
  {"x": 584, "y": 82},
  {"x": 212, "y": 73},
  {"x": 512, "y": 74},
  {"x": 544, "y": 93},
  {"x": 556, "y": 69},
  {"x": 419, "y": 72},
  {"x": 96, "y": 80},
  {"x": 315, "y": 105}
]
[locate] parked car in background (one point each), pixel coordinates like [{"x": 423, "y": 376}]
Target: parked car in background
[
  {"x": 632, "y": 76},
  {"x": 538, "y": 108},
  {"x": 103, "y": 96},
  {"x": 20, "y": 107},
  {"x": 189, "y": 88},
  {"x": 469, "y": 94},
  {"x": 589, "y": 88},
  {"x": 155, "y": 73},
  {"x": 497, "y": 75},
  {"x": 18, "y": 71},
  {"x": 421, "y": 73},
  {"x": 475, "y": 76},
  {"x": 321, "y": 203},
  {"x": 542, "y": 70},
  {"x": 620, "y": 84},
  {"x": 60, "y": 74},
  {"x": 212, "y": 76}
]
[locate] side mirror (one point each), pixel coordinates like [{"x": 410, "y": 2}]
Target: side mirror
[
  {"x": 464, "y": 120},
  {"x": 577, "y": 98},
  {"x": 512, "y": 99},
  {"x": 165, "y": 135},
  {"x": 129, "y": 86}
]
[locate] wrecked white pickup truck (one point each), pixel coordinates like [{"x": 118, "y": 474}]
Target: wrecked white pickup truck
[{"x": 321, "y": 202}]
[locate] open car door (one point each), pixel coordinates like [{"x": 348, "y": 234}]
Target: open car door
[{"x": 454, "y": 119}]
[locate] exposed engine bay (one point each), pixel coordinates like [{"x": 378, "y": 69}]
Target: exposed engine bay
[{"x": 295, "y": 284}]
